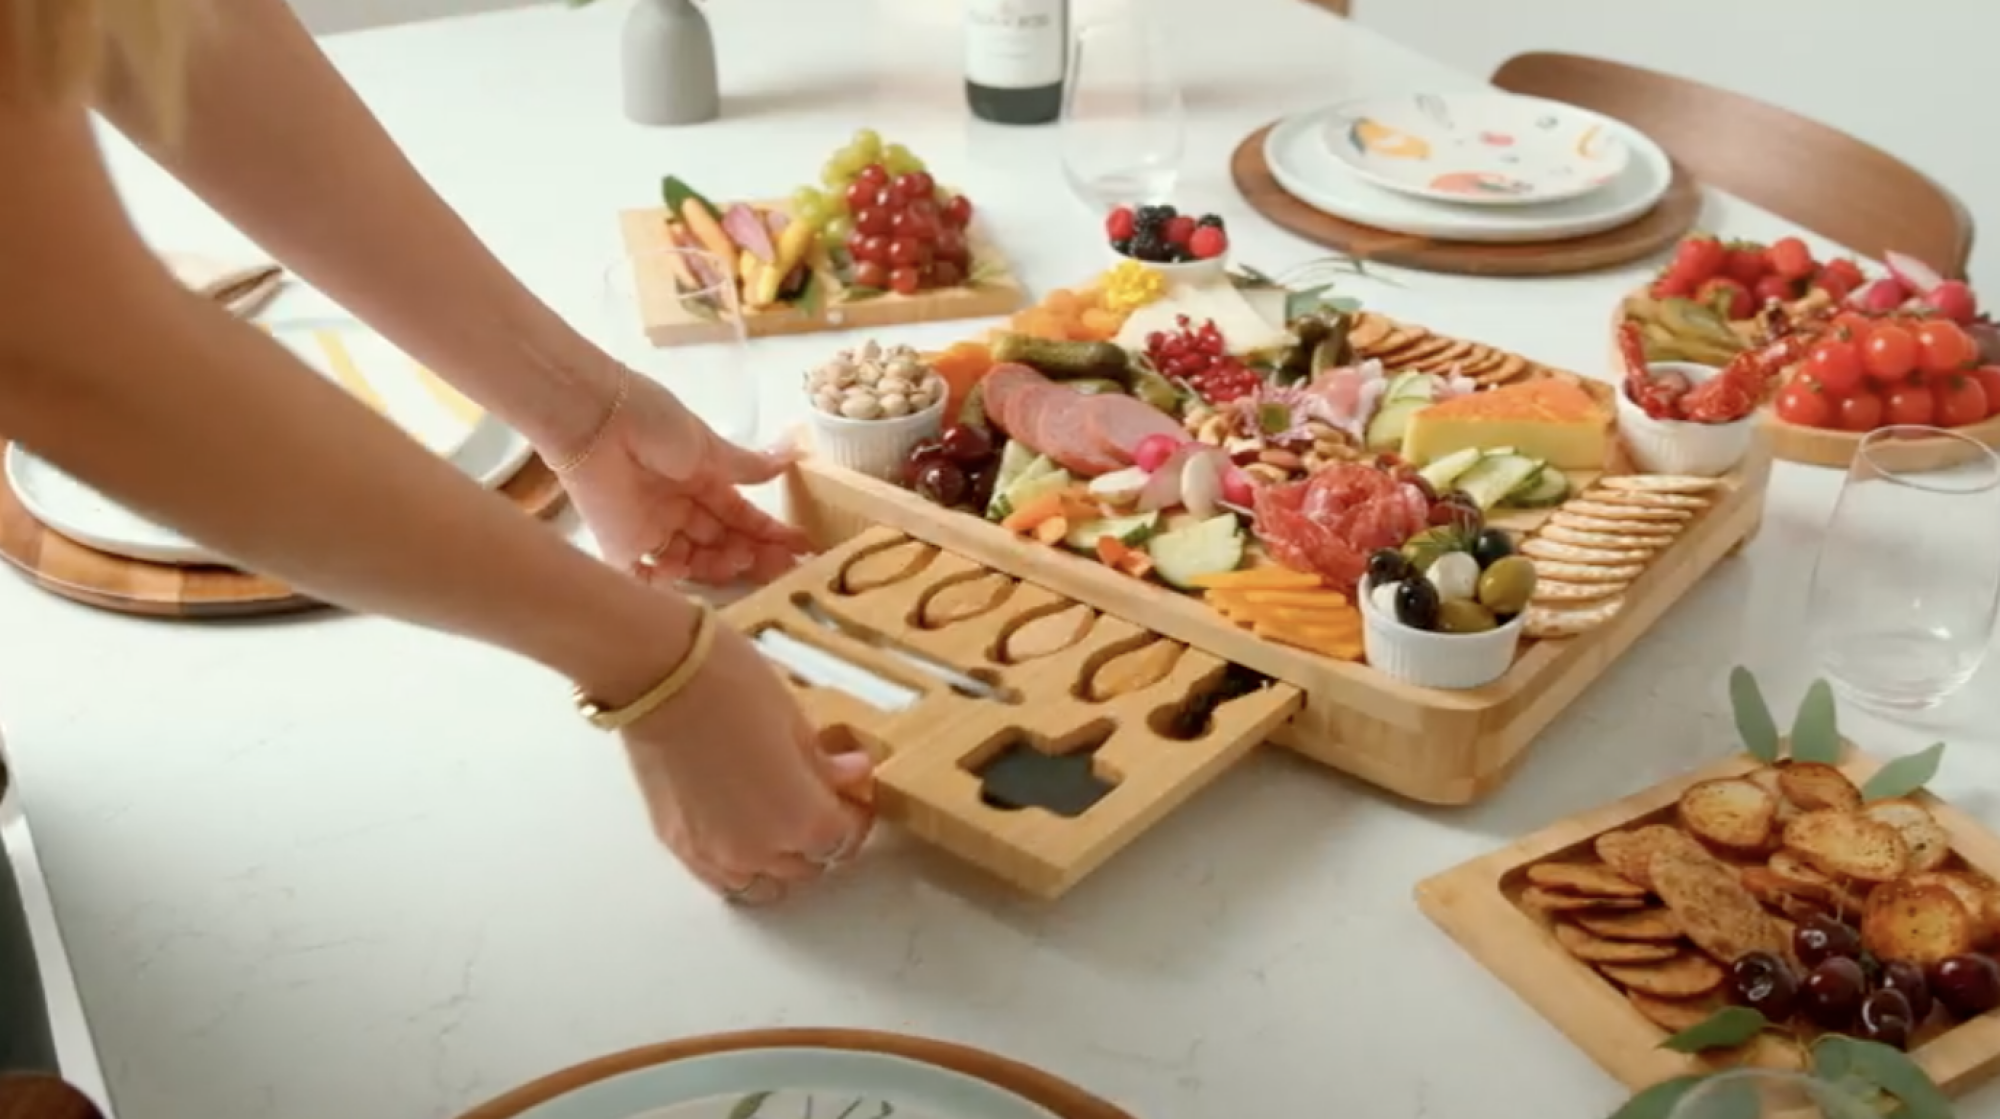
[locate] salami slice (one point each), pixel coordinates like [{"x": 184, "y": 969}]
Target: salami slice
[
  {"x": 1118, "y": 424},
  {"x": 1055, "y": 421},
  {"x": 1002, "y": 387}
]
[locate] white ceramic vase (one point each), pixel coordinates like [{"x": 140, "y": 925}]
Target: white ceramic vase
[{"x": 669, "y": 64}]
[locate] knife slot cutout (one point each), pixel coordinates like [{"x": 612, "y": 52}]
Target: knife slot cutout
[
  {"x": 961, "y": 598},
  {"x": 975, "y": 683},
  {"x": 1128, "y": 666},
  {"x": 821, "y": 667},
  {"x": 1194, "y": 716},
  {"x": 882, "y": 565},
  {"x": 1018, "y": 770}
]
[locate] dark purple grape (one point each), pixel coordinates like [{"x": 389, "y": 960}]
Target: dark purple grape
[
  {"x": 941, "y": 483},
  {"x": 1832, "y": 993},
  {"x": 966, "y": 445},
  {"x": 981, "y": 484},
  {"x": 1886, "y": 1018},
  {"x": 1822, "y": 938},
  {"x": 1458, "y": 510},
  {"x": 1967, "y": 985},
  {"x": 1765, "y": 983},
  {"x": 1423, "y": 485},
  {"x": 1907, "y": 980}
]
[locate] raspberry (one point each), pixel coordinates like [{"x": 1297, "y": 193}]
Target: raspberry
[
  {"x": 1179, "y": 230},
  {"x": 1208, "y": 242},
  {"x": 1121, "y": 224}
]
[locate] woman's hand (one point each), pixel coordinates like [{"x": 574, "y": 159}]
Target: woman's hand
[
  {"x": 737, "y": 785},
  {"x": 659, "y": 490}
]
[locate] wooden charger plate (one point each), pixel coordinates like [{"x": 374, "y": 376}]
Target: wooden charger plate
[
  {"x": 1475, "y": 904},
  {"x": 64, "y": 567},
  {"x": 1653, "y": 232},
  {"x": 1057, "y": 1096},
  {"x": 1816, "y": 446}
]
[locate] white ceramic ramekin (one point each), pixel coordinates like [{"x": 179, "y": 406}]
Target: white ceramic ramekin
[
  {"x": 876, "y": 448},
  {"x": 1436, "y": 660},
  {"x": 1194, "y": 272},
  {"x": 1679, "y": 447}
]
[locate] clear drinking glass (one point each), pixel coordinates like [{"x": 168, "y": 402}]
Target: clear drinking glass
[
  {"x": 706, "y": 361},
  {"x": 1765, "y": 1094},
  {"x": 1902, "y": 597},
  {"x": 1122, "y": 120}
]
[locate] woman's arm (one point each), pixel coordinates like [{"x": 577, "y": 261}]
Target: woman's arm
[
  {"x": 159, "y": 398},
  {"x": 275, "y": 140}
]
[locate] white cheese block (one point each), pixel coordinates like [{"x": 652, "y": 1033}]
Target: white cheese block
[{"x": 1244, "y": 329}]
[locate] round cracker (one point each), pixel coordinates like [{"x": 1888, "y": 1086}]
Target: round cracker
[
  {"x": 1549, "y": 901},
  {"x": 1588, "y": 879},
  {"x": 1675, "y": 1015},
  {"x": 1655, "y": 924},
  {"x": 1686, "y": 501},
  {"x": 1511, "y": 368},
  {"x": 1659, "y": 483},
  {"x": 1612, "y": 511},
  {"x": 1560, "y": 572},
  {"x": 1610, "y": 541},
  {"x": 1596, "y": 949},
  {"x": 1583, "y": 522},
  {"x": 1553, "y": 592},
  {"x": 1685, "y": 976},
  {"x": 1571, "y": 621},
  {"x": 1540, "y": 548}
]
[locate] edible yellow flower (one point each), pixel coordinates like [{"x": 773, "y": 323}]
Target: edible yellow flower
[{"x": 1131, "y": 285}]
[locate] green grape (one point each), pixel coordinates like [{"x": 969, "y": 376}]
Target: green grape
[
  {"x": 837, "y": 228},
  {"x": 831, "y": 243},
  {"x": 898, "y": 160},
  {"x": 868, "y": 143},
  {"x": 808, "y": 198},
  {"x": 850, "y": 160},
  {"x": 815, "y": 213},
  {"x": 835, "y": 176}
]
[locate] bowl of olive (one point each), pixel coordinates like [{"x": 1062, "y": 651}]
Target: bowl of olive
[{"x": 1446, "y": 609}]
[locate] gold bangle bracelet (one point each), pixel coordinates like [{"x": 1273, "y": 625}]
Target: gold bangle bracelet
[
  {"x": 670, "y": 685},
  {"x": 582, "y": 455}
]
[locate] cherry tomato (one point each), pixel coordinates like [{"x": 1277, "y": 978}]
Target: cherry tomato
[
  {"x": 1801, "y": 402},
  {"x": 1989, "y": 380},
  {"x": 1836, "y": 364},
  {"x": 1698, "y": 258},
  {"x": 869, "y": 274},
  {"x": 909, "y": 252},
  {"x": 1774, "y": 288},
  {"x": 1746, "y": 264},
  {"x": 906, "y": 281},
  {"x": 1791, "y": 259},
  {"x": 1860, "y": 412},
  {"x": 1731, "y": 298},
  {"x": 1889, "y": 352},
  {"x": 872, "y": 221},
  {"x": 875, "y": 175},
  {"x": 1845, "y": 271},
  {"x": 958, "y": 211},
  {"x": 1942, "y": 347},
  {"x": 1911, "y": 404},
  {"x": 1960, "y": 400},
  {"x": 1674, "y": 285}
]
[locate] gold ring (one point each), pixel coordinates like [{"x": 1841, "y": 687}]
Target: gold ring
[
  {"x": 646, "y": 564},
  {"x": 841, "y": 852},
  {"x": 740, "y": 895}
]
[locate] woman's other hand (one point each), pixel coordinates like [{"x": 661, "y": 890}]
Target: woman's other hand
[
  {"x": 660, "y": 491},
  {"x": 737, "y": 785}
]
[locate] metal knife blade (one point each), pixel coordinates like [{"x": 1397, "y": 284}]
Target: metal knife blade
[
  {"x": 923, "y": 662},
  {"x": 821, "y": 669}
]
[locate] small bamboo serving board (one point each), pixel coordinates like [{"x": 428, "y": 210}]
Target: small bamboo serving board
[
  {"x": 1140, "y": 722},
  {"x": 668, "y": 321},
  {"x": 1479, "y": 905}
]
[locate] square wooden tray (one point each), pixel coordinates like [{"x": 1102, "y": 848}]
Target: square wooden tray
[
  {"x": 1476, "y": 904},
  {"x": 1077, "y": 681},
  {"x": 1432, "y": 745}
]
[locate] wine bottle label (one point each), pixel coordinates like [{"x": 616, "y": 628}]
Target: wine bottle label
[{"x": 1015, "y": 44}]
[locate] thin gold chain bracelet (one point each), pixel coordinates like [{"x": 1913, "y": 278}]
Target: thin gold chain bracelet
[{"x": 582, "y": 455}]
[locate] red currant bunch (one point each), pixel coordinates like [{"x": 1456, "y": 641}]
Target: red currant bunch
[{"x": 1196, "y": 356}]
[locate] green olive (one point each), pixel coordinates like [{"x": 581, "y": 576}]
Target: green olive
[
  {"x": 1462, "y": 615},
  {"x": 1506, "y": 587}
]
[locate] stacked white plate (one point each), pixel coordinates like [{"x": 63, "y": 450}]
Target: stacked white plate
[
  {"x": 344, "y": 351},
  {"x": 1482, "y": 167}
]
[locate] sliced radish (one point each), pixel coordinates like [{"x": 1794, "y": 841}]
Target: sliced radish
[
  {"x": 1882, "y": 296},
  {"x": 1163, "y": 488},
  {"x": 1237, "y": 489},
  {"x": 1201, "y": 482},
  {"x": 1914, "y": 274},
  {"x": 1154, "y": 450},
  {"x": 1120, "y": 487},
  {"x": 1954, "y": 300}
]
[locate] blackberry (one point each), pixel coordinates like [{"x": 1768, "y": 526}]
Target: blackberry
[
  {"x": 1122, "y": 247},
  {"x": 1152, "y": 217},
  {"x": 1147, "y": 245},
  {"x": 1211, "y": 221},
  {"x": 1181, "y": 255}
]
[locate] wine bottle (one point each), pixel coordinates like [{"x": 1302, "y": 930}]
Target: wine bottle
[{"x": 1015, "y": 54}]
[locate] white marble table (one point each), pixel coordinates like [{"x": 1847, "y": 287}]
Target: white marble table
[{"x": 336, "y": 867}]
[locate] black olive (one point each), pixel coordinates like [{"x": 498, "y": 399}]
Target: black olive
[
  {"x": 1491, "y": 544},
  {"x": 1388, "y": 566},
  {"x": 1417, "y": 603}
]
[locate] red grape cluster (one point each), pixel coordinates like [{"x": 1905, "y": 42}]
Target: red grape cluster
[
  {"x": 908, "y": 236},
  {"x": 1196, "y": 357},
  {"x": 1843, "y": 990},
  {"x": 955, "y": 470}
]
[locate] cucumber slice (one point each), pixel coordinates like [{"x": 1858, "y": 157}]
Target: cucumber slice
[
  {"x": 1120, "y": 487},
  {"x": 1444, "y": 472},
  {"x": 1548, "y": 487},
  {"x": 1018, "y": 463},
  {"x": 1126, "y": 530},
  {"x": 1496, "y": 476},
  {"x": 1209, "y": 547},
  {"x": 1410, "y": 386},
  {"x": 1392, "y": 419}
]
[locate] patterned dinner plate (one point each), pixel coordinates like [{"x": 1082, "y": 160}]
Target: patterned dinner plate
[
  {"x": 415, "y": 399},
  {"x": 789, "y": 1083},
  {"x": 1479, "y": 149}
]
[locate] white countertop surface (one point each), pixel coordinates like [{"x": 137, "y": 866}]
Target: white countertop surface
[{"x": 335, "y": 867}]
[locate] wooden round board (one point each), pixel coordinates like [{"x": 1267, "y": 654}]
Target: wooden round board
[
  {"x": 1815, "y": 446},
  {"x": 1058, "y": 1096},
  {"x": 62, "y": 566},
  {"x": 1657, "y": 230}
]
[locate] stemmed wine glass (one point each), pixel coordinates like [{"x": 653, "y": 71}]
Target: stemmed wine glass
[
  {"x": 1769, "y": 1094},
  {"x": 710, "y": 372},
  {"x": 1123, "y": 122},
  {"x": 1903, "y": 594}
]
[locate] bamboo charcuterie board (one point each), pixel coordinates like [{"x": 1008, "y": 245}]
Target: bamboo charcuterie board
[{"x": 1138, "y": 722}]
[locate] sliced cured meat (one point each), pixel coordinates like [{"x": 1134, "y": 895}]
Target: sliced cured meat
[
  {"x": 1118, "y": 424},
  {"x": 1002, "y": 386},
  {"x": 1329, "y": 523},
  {"x": 1056, "y": 421}
]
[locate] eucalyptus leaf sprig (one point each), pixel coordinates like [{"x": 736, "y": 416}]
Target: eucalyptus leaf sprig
[{"x": 1815, "y": 737}]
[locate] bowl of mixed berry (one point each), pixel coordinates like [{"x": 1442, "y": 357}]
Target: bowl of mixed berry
[{"x": 1179, "y": 246}]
